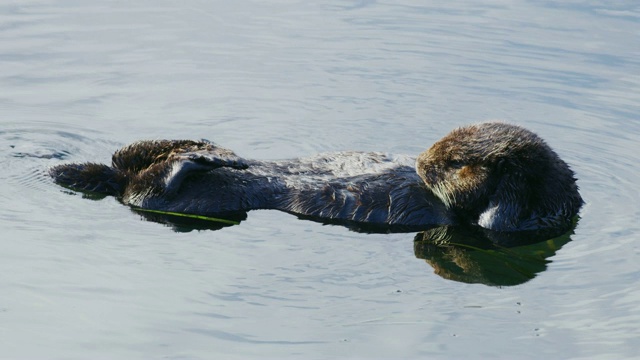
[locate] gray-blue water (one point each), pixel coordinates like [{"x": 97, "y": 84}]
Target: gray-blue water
[{"x": 81, "y": 278}]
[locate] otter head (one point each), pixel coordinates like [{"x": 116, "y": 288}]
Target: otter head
[{"x": 500, "y": 176}]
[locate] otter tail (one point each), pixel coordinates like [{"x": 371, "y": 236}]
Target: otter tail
[{"x": 90, "y": 177}]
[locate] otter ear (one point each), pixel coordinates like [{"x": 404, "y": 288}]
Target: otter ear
[{"x": 500, "y": 165}]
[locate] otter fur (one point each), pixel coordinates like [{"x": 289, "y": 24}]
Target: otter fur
[{"x": 495, "y": 175}]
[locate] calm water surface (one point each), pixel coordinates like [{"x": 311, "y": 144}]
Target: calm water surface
[{"x": 90, "y": 278}]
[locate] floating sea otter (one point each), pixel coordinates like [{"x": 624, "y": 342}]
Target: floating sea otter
[{"x": 499, "y": 176}]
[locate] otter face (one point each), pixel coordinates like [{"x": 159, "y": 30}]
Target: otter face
[
  {"x": 462, "y": 168},
  {"x": 501, "y": 177},
  {"x": 453, "y": 171},
  {"x": 465, "y": 167}
]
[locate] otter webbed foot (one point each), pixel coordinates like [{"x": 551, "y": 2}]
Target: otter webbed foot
[
  {"x": 90, "y": 177},
  {"x": 146, "y": 169},
  {"x": 142, "y": 155},
  {"x": 204, "y": 158},
  {"x": 186, "y": 158}
]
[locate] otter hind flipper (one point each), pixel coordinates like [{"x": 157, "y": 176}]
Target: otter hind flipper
[
  {"x": 198, "y": 159},
  {"x": 90, "y": 177},
  {"x": 143, "y": 154}
]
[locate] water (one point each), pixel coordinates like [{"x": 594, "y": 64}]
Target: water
[{"x": 90, "y": 278}]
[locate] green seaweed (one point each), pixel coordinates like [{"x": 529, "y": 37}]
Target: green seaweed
[{"x": 190, "y": 216}]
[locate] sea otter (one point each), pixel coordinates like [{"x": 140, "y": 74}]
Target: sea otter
[{"x": 495, "y": 175}]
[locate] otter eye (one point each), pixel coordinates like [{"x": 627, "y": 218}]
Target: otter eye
[{"x": 456, "y": 164}]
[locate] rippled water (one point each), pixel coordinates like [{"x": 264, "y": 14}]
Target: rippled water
[{"x": 81, "y": 277}]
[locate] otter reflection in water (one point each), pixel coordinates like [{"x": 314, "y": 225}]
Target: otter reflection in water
[
  {"x": 479, "y": 256},
  {"x": 494, "y": 175},
  {"x": 468, "y": 254}
]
